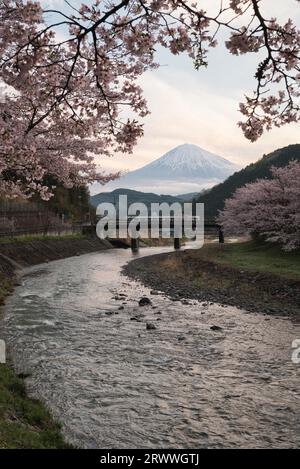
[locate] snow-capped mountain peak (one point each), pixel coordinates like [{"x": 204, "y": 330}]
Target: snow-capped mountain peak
[
  {"x": 186, "y": 168},
  {"x": 190, "y": 157}
]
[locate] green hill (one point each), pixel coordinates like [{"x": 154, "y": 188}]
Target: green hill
[
  {"x": 214, "y": 199},
  {"x": 132, "y": 196}
]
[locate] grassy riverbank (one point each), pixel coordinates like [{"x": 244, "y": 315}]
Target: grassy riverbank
[
  {"x": 6, "y": 287},
  {"x": 254, "y": 256},
  {"x": 257, "y": 277},
  {"x": 39, "y": 237},
  {"x": 24, "y": 422}
]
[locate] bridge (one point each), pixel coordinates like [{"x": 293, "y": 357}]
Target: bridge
[{"x": 160, "y": 223}]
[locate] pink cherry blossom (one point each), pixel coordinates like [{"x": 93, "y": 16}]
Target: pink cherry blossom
[
  {"x": 268, "y": 207},
  {"x": 80, "y": 96}
]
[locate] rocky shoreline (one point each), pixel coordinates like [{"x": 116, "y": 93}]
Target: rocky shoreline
[{"x": 181, "y": 276}]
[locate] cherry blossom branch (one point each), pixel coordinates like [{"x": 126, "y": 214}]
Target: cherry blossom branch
[{"x": 84, "y": 87}]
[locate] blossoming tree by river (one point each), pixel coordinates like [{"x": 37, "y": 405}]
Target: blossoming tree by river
[
  {"x": 70, "y": 96},
  {"x": 268, "y": 207}
]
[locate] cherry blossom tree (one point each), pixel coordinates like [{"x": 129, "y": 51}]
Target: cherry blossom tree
[
  {"x": 77, "y": 93},
  {"x": 269, "y": 208}
]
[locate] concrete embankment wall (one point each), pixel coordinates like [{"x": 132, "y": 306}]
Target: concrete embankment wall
[
  {"x": 7, "y": 267},
  {"x": 24, "y": 254}
]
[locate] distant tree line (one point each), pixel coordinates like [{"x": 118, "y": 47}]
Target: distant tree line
[{"x": 214, "y": 199}]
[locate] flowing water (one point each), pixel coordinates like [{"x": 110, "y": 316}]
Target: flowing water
[{"x": 114, "y": 384}]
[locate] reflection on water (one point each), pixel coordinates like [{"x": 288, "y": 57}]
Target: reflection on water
[{"x": 76, "y": 327}]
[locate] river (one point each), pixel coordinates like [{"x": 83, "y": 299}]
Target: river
[{"x": 114, "y": 384}]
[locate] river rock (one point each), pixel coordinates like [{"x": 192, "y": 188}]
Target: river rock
[
  {"x": 181, "y": 338},
  {"x": 144, "y": 301},
  {"x": 216, "y": 328},
  {"x": 150, "y": 326},
  {"x": 24, "y": 375},
  {"x": 185, "y": 302}
]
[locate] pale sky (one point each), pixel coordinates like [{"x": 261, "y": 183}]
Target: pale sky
[{"x": 201, "y": 107}]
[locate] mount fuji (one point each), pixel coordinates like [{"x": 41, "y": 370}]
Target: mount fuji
[{"x": 186, "y": 168}]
